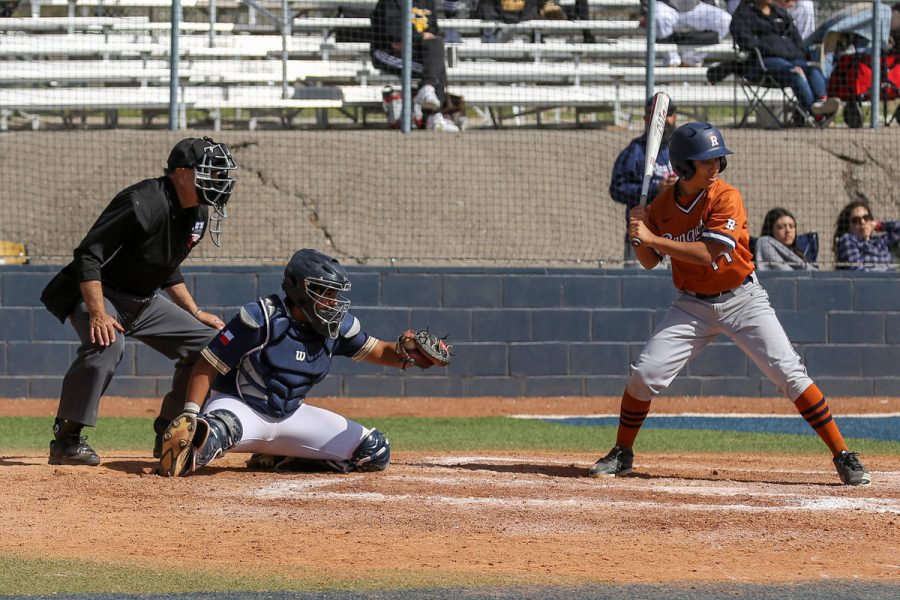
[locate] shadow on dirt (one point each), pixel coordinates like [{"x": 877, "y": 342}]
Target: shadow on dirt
[{"x": 551, "y": 470}]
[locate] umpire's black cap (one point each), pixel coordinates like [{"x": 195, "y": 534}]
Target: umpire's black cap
[
  {"x": 672, "y": 107},
  {"x": 187, "y": 153}
]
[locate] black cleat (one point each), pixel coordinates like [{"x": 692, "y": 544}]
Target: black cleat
[
  {"x": 72, "y": 450},
  {"x": 617, "y": 463},
  {"x": 850, "y": 469},
  {"x": 157, "y": 445}
]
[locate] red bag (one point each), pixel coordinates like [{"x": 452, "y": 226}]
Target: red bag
[{"x": 852, "y": 77}]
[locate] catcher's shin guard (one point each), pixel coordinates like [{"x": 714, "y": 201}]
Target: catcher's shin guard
[{"x": 225, "y": 431}]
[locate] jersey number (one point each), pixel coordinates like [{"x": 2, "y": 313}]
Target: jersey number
[{"x": 726, "y": 257}]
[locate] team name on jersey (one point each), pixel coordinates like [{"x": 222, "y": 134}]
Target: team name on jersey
[{"x": 691, "y": 235}]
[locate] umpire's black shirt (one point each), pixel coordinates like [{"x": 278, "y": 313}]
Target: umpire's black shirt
[{"x": 140, "y": 239}]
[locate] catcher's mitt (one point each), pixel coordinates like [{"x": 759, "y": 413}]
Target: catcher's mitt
[{"x": 423, "y": 349}]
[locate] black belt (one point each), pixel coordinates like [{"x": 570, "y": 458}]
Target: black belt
[
  {"x": 135, "y": 297},
  {"x": 749, "y": 279}
]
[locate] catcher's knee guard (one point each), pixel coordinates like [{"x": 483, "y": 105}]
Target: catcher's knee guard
[
  {"x": 224, "y": 430},
  {"x": 372, "y": 454}
]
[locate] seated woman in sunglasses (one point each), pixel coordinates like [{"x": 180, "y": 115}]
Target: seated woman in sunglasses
[{"x": 861, "y": 243}]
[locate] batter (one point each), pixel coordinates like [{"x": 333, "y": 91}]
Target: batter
[{"x": 701, "y": 224}]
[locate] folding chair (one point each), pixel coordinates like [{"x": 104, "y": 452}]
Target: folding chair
[
  {"x": 13, "y": 253},
  {"x": 773, "y": 111}
]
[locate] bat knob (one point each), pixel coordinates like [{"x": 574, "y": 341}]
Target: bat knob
[{"x": 635, "y": 242}]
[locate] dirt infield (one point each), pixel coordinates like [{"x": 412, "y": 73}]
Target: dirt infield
[{"x": 453, "y": 519}]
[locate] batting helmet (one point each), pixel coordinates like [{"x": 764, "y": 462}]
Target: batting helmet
[
  {"x": 315, "y": 283},
  {"x": 696, "y": 141}
]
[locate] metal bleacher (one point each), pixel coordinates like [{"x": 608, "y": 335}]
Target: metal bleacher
[{"x": 80, "y": 65}]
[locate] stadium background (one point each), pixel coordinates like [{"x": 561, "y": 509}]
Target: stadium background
[{"x": 506, "y": 233}]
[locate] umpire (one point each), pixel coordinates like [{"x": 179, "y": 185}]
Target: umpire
[{"x": 133, "y": 250}]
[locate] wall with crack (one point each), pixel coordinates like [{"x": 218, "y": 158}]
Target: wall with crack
[{"x": 511, "y": 197}]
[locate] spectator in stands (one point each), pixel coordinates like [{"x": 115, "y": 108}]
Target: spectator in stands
[
  {"x": 777, "y": 247},
  {"x": 452, "y": 10},
  {"x": 688, "y": 23},
  {"x": 802, "y": 11},
  {"x": 762, "y": 25},
  {"x": 628, "y": 170},
  {"x": 111, "y": 288},
  {"x": 861, "y": 243},
  {"x": 514, "y": 11},
  {"x": 8, "y": 7},
  {"x": 427, "y": 60}
]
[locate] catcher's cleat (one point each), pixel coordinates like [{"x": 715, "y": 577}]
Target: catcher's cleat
[
  {"x": 177, "y": 455},
  {"x": 617, "y": 463},
  {"x": 850, "y": 469},
  {"x": 72, "y": 450}
]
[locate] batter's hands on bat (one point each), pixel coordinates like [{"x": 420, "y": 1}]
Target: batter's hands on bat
[
  {"x": 637, "y": 230},
  {"x": 103, "y": 328},
  {"x": 637, "y": 227}
]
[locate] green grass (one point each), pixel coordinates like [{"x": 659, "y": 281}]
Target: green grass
[
  {"x": 22, "y": 575},
  {"x": 28, "y": 434}
]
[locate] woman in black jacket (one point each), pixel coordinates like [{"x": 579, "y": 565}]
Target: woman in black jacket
[{"x": 763, "y": 25}]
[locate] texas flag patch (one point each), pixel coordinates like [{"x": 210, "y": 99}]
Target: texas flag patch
[{"x": 225, "y": 337}]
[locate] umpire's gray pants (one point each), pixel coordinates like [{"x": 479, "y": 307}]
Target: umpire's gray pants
[{"x": 156, "y": 321}]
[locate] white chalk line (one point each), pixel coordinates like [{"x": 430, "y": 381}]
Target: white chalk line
[
  {"x": 317, "y": 489},
  {"x": 870, "y": 505}
]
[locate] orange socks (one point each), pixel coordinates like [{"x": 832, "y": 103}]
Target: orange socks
[
  {"x": 631, "y": 416},
  {"x": 813, "y": 407}
]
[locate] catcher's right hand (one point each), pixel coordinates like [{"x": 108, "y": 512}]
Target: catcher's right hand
[{"x": 423, "y": 349}]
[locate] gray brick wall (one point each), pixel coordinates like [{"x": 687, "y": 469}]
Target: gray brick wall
[{"x": 517, "y": 332}]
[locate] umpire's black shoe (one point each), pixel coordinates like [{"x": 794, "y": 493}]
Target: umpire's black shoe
[
  {"x": 159, "y": 426},
  {"x": 72, "y": 450},
  {"x": 157, "y": 445}
]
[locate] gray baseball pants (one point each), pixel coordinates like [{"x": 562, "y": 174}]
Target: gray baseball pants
[{"x": 156, "y": 321}]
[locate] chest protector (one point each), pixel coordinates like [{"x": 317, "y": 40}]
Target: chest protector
[{"x": 275, "y": 377}]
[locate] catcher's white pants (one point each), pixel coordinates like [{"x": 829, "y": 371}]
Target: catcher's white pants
[
  {"x": 744, "y": 315},
  {"x": 310, "y": 432}
]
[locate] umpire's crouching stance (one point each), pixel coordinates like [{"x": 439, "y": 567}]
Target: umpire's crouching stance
[{"x": 133, "y": 250}]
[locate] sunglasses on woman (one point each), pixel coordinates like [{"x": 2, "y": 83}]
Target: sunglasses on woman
[{"x": 859, "y": 220}]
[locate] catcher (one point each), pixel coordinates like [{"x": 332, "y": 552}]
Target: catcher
[{"x": 259, "y": 368}]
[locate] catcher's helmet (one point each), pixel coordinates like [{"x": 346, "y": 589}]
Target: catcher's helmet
[
  {"x": 696, "y": 141},
  {"x": 315, "y": 283}
]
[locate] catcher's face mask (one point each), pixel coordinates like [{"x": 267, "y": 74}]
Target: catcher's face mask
[
  {"x": 214, "y": 183},
  {"x": 328, "y": 305}
]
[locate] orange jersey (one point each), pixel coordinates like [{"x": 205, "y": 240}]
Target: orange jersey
[{"x": 716, "y": 214}]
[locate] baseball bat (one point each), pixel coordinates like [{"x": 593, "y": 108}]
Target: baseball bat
[{"x": 659, "y": 109}]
